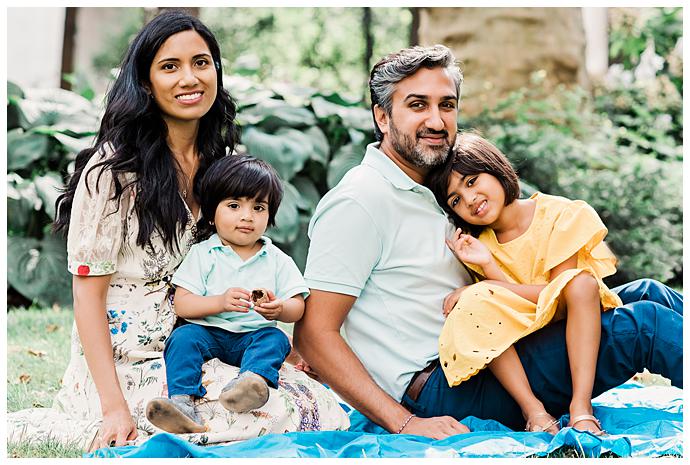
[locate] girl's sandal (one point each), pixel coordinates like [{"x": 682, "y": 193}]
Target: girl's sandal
[
  {"x": 592, "y": 418},
  {"x": 533, "y": 427}
]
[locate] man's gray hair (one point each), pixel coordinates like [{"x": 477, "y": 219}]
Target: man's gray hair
[{"x": 397, "y": 66}]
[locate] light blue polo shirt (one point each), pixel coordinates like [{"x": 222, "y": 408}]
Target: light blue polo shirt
[
  {"x": 379, "y": 236},
  {"x": 210, "y": 268}
]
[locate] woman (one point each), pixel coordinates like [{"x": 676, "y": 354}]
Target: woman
[{"x": 130, "y": 209}]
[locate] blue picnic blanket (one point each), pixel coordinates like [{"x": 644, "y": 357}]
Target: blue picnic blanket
[{"x": 641, "y": 421}]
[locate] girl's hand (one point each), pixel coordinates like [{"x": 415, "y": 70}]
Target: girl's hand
[
  {"x": 272, "y": 309},
  {"x": 236, "y": 299},
  {"x": 469, "y": 249},
  {"x": 117, "y": 428},
  {"x": 452, "y": 299}
]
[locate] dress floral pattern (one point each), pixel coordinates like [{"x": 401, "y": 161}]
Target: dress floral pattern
[{"x": 139, "y": 306}]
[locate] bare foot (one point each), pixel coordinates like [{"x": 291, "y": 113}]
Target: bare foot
[
  {"x": 586, "y": 422},
  {"x": 541, "y": 421}
]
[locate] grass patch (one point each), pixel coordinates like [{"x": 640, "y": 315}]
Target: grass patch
[{"x": 48, "y": 449}]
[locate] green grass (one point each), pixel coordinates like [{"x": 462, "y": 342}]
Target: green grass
[{"x": 38, "y": 346}]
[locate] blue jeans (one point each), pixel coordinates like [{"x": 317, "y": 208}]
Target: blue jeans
[
  {"x": 646, "y": 332},
  {"x": 262, "y": 352}
]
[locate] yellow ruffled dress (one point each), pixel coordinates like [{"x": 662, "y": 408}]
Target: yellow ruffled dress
[{"x": 488, "y": 318}]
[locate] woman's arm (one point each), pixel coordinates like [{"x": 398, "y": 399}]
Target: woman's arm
[
  {"x": 190, "y": 305},
  {"x": 92, "y": 324}
]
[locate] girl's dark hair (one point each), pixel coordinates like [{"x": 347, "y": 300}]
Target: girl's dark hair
[
  {"x": 472, "y": 154},
  {"x": 132, "y": 128},
  {"x": 237, "y": 176}
]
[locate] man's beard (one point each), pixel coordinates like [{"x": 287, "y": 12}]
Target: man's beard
[{"x": 415, "y": 153}]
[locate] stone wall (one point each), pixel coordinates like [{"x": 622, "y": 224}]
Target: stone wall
[{"x": 499, "y": 48}]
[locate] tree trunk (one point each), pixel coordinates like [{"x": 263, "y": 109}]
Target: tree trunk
[
  {"x": 500, "y": 48},
  {"x": 67, "y": 65}
]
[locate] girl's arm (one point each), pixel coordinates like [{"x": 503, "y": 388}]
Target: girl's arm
[
  {"x": 190, "y": 305},
  {"x": 531, "y": 291},
  {"x": 92, "y": 324}
]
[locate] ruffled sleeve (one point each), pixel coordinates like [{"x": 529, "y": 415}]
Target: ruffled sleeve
[
  {"x": 578, "y": 229},
  {"x": 96, "y": 223}
]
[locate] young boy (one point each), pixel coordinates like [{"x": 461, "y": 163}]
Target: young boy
[{"x": 231, "y": 289}]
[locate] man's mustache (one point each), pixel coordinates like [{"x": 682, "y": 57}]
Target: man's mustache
[{"x": 431, "y": 132}]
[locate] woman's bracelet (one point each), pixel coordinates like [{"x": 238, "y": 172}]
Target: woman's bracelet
[{"x": 407, "y": 420}]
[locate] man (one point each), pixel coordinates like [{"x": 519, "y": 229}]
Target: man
[{"x": 378, "y": 266}]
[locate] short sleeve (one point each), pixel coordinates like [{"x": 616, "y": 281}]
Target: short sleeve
[
  {"x": 96, "y": 223},
  {"x": 577, "y": 228},
  {"x": 344, "y": 249},
  {"x": 289, "y": 280},
  {"x": 192, "y": 272}
]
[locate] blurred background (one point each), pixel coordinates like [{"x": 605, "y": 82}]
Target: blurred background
[{"x": 586, "y": 103}]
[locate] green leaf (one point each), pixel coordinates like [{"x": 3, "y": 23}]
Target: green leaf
[
  {"x": 272, "y": 114},
  {"x": 37, "y": 269},
  {"x": 346, "y": 158},
  {"x": 24, "y": 148},
  {"x": 309, "y": 195},
  {"x": 286, "y": 150},
  {"x": 14, "y": 91},
  {"x": 287, "y": 219},
  {"x": 61, "y": 110},
  {"x": 354, "y": 117},
  {"x": 22, "y": 203},
  {"x": 319, "y": 143},
  {"x": 48, "y": 189},
  {"x": 73, "y": 145}
]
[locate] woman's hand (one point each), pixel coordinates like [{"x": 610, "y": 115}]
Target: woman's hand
[
  {"x": 469, "y": 249},
  {"x": 117, "y": 428},
  {"x": 272, "y": 309},
  {"x": 236, "y": 299},
  {"x": 452, "y": 299}
]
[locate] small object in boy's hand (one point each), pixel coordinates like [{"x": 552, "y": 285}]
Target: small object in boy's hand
[{"x": 259, "y": 296}]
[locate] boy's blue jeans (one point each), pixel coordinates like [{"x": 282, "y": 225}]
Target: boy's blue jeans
[
  {"x": 262, "y": 352},
  {"x": 646, "y": 332}
]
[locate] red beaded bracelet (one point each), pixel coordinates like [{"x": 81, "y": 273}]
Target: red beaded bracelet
[{"x": 407, "y": 420}]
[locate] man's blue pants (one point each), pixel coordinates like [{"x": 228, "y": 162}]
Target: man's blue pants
[
  {"x": 262, "y": 351},
  {"x": 646, "y": 332}
]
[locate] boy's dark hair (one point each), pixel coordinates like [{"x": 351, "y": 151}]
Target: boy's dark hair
[
  {"x": 472, "y": 154},
  {"x": 237, "y": 176}
]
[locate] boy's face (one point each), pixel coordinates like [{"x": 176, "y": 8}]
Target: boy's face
[{"x": 241, "y": 222}]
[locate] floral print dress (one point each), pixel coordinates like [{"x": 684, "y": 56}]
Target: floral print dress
[{"x": 139, "y": 306}]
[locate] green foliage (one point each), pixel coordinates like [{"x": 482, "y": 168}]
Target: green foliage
[
  {"x": 630, "y": 35},
  {"x": 320, "y": 47}
]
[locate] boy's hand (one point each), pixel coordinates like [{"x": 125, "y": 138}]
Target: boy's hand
[
  {"x": 272, "y": 309},
  {"x": 236, "y": 299},
  {"x": 469, "y": 249}
]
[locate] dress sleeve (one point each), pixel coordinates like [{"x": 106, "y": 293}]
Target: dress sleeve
[
  {"x": 578, "y": 229},
  {"x": 96, "y": 225}
]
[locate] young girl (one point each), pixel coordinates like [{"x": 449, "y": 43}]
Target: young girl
[
  {"x": 231, "y": 288},
  {"x": 540, "y": 258}
]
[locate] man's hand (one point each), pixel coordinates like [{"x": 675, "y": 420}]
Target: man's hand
[
  {"x": 272, "y": 309},
  {"x": 469, "y": 249},
  {"x": 435, "y": 427},
  {"x": 452, "y": 299},
  {"x": 236, "y": 299}
]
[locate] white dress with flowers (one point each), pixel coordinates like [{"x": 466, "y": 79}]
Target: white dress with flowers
[{"x": 101, "y": 241}]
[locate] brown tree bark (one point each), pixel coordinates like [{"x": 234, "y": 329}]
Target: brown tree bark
[{"x": 67, "y": 64}]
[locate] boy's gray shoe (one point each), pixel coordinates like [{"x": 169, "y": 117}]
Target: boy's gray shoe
[
  {"x": 245, "y": 392},
  {"x": 175, "y": 415}
]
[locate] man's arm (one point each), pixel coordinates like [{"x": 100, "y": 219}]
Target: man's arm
[{"x": 340, "y": 368}]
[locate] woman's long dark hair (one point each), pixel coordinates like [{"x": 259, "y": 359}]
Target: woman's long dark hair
[{"x": 133, "y": 127}]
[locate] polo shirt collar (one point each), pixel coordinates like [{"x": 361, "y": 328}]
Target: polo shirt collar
[
  {"x": 215, "y": 243},
  {"x": 378, "y": 160}
]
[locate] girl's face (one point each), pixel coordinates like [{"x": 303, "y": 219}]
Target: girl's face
[
  {"x": 478, "y": 198},
  {"x": 241, "y": 222},
  {"x": 183, "y": 78}
]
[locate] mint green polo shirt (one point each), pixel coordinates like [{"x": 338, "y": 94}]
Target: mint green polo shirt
[
  {"x": 379, "y": 236},
  {"x": 210, "y": 268}
]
